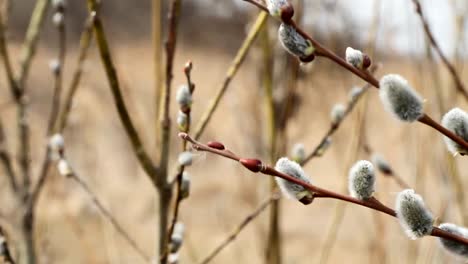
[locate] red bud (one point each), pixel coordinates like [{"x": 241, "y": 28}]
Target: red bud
[
  {"x": 188, "y": 67},
  {"x": 287, "y": 12},
  {"x": 366, "y": 63},
  {"x": 308, "y": 199},
  {"x": 254, "y": 165},
  {"x": 215, "y": 145},
  {"x": 307, "y": 59}
]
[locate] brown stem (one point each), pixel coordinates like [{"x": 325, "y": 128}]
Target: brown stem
[{"x": 317, "y": 191}]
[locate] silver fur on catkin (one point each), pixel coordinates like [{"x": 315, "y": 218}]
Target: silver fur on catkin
[
  {"x": 184, "y": 96},
  {"x": 292, "y": 190},
  {"x": 412, "y": 214},
  {"x": 454, "y": 247},
  {"x": 400, "y": 99},
  {"x": 298, "y": 152},
  {"x": 294, "y": 42},
  {"x": 456, "y": 120},
  {"x": 361, "y": 181}
]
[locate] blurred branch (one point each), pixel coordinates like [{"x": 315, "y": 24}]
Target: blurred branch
[
  {"x": 252, "y": 216},
  {"x": 6, "y": 161},
  {"x": 85, "y": 41},
  {"x": 158, "y": 58},
  {"x": 451, "y": 68},
  {"x": 124, "y": 116},
  {"x": 108, "y": 215},
  {"x": 320, "y": 149},
  {"x": 5, "y": 249},
  {"x": 235, "y": 65}
]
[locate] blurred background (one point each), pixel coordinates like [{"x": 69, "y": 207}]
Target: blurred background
[{"x": 70, "y": 228}]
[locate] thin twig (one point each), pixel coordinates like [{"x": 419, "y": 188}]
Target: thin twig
[
  {"x": 15, "y": 91},
  {"x": 108, "y": 215},
  {"x": 317, "y": 191},
  {"x": 180, "y": 168},
  {"x": 365, "y": 75},
  {"x": 164, "y": 189},
  {"x": 85, "y": 42},
  {"x": 157, "y": 41},
  {"x": 450, "y": 67},
  {"x": 243, "y": 224},
  {"x": 6, "y": 160},
  {"x": 319, "y": 149},
  {"x": 32, "y": 37},
  {"x": 124, "y": 116},
  {"x": 235, "y": 65}
]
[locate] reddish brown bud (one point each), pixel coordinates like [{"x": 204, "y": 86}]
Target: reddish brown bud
[
  {"x": 308, "y": 199},
  {"x": 307, "y": 59},
  {"x": 287, "y": 12},
  {"x": 254, "y": 165},
  {"x": 215, "y": 145},
  {"x": 366, "y": 61}
]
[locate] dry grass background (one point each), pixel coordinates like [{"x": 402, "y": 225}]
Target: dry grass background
[{"x": 72, "y": 231}]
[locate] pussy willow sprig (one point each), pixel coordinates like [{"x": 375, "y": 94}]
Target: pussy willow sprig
[
  {"x": 257, "y": 166},
  {"x": 322, "y": 51}
]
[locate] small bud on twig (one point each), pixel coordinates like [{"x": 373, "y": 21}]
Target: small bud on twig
[
  {"x": 57, "y": 146},
  {"x": 177, "y": 237},
  {"x": 215, "y": 145},
  {"x": 185, "y": 158},
  {"x": 400, "y": 99},
  {"x": 298, "y": 153},
  {"x": 354, "y": 93},
  {"x": 361, "y": 183},
  {"x": 64, "y": 168},
  {"x": 456, "y": 120},
  {"x": 355, "y": 57},
  {"x": 184, "y": 97},
  {"x": 381, "y": 164},
  {"x": 294, "y": 42},
  {"x": 185, "y": 185},
  {"x": 58, "y": 19},
  {"x": 54, "y": 66},
  {"x": 253, "y": 165},
  {"x": 182, "y": 121},
  {"x": 456, "y": 248},
  {"x": 412, "y": 214},
  {"x": 293, "y": 190},
  {"x": 337, "y": 113}
]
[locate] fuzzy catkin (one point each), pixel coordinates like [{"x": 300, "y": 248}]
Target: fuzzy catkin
[
  {"x": 294, "y": 42},
  {"x": 361, "y": 183},
  {"x": 456, "y": 120},
  {"x": 184, "y": 96},
  {"x": 354, "y": 57},
  {"x": 454, "y": 247},
  {"x": 400, "y": 99},
  {"x": 412, "y": 214},
  {"x": 291, "y": 168},
  {"x": 337, "y": 113},
  {"x": 298, "y": 152}
]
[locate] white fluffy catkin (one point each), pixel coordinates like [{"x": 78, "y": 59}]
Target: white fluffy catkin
[
  {"x": 454, "y": 247},
  {"x": 354, "y": 57},
  {"x": 456, "y": 120},
  {"x": 291, "y": 168},
  {"x": 412, "y": 214},
  {"x": 294, "y": 42},
  {"x": 184, "y": 96},
  {"x": 400, "y": 99},
  {"x": 361, "y": 180},
  {"x": 274, "y": 6},
  {"x": 298, "y": 152},
  {"x": 337, "y": 113}
]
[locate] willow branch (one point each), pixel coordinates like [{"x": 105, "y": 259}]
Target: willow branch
[
  {"x": 243, "y": 224},
  {"x": 318, "y": 192},
  {"x": 5, "y": 158},
  {"x": 108, "y": 215},
  {"x": 122, "y": 111},
  {"x": 5, "y": 249},
  {"x": 322, "y": 51},
  {"x": 235, "y": 65},
  {"x": 85, "y": 42}
]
